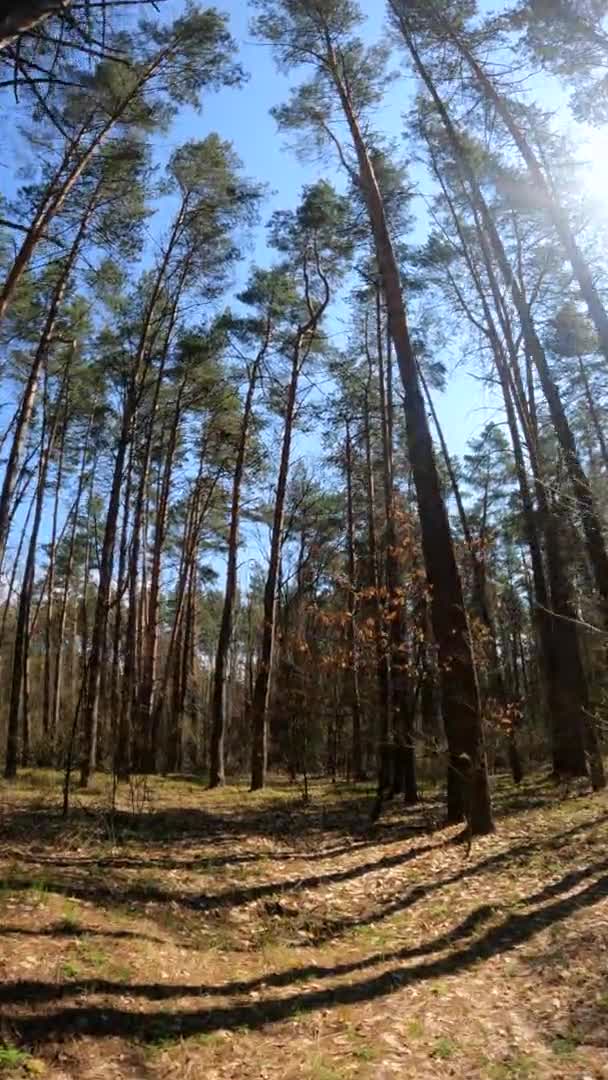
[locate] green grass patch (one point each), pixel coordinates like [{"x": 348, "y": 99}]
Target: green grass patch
[
  {"x": 415, "y": 1029},
  {"x": 12, "y": 1058},
  {"x": 70, "y": 970},
  {"x": 517, "y": 1067},
  {"x": 444, "y": 1049},
  {"x": 208, "y": 1039},
  {"x": 565, "y": 1045},
  {"x": 323, "y": 1068}
]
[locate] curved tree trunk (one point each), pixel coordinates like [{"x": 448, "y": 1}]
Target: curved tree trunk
[
  {"x": 28, "y": 398},
  {"x": 468, "y": 790},
  {"x": 592, "y": 528}
]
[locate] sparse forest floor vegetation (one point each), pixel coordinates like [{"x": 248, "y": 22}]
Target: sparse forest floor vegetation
[{"x": 223, "y": 934}]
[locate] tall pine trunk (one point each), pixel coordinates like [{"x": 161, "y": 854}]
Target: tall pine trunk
[
  {"x": 592, "y": 528},
  {"x": 20, "y": 650},
  {"x": 90, "y": 722},
  {"x": 47, "y": 703},
  {"x": 261, "y": 690},
  {"x": 353, "y": 645},
  {"x": 69, "y": 569},
  {"x": 383, "y": 670},
  {"x": 146, "y": 699},
  {"x": 219, "y": 707},
  {"x": 30, "y": 391},
  {"x": 468, "y": 790}
]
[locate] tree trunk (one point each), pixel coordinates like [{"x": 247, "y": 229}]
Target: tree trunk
[
  {"x": 121, "y": 731},
  {"x": 20, "y": 652},
  {"x": 93, "y": 668},
  {"x": 355, "y": 697},
  {"x": 28, "y": 398},
  {"x": 383, "y": 671},
  {"x": 468, "y": 789},
  {"x": 596, "y": 547},
  {"x": 152, "y": 326},
  {"x": 404, "y": 778},
  {"x": 261, "y": 690},
  {"x": 194, "y": 522},
  {"x": 16, "y": 561},
  {"x": 58, "y": 682},
  {"x": 150, "y": 656},
  {"x": 562, "y": 226},
  {"x": 130, "y": 669},
  {"x": 22, "y": 16},
  {"x": 565, "y": 680},
  {"x": 218, "y": 703},
  {"x": 593, "y": 413},
  {"x": 47, "y": 704}
]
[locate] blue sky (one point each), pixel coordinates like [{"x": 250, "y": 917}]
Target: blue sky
[{"x": 243, "y": 116}]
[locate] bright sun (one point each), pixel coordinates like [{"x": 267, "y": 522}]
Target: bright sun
[{"x": 593, "y": 170}]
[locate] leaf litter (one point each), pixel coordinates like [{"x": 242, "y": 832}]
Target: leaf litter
[{"x": 226, "y": 935}]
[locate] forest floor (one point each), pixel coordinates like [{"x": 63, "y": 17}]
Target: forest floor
[{"x": 227, "y": 935}]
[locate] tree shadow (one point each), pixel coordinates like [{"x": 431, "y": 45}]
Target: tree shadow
[
  {"x": 66, "y": 929},
  {"x": 32, "y": 990},
  {"x": 104, "y": 1019},
  {"x": 149, "y": 892},
  {"x": 347, "y": 817},
  {"x": 175, "y": 829},
  {"x": 337, "y": 927},
  {"x": 302, "y": 829},
  {"x": 133, "y": 893},
  {"x": 215, "y": 862}
]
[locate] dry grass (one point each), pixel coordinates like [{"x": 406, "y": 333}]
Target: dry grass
[{"x": 229, "y": 935}]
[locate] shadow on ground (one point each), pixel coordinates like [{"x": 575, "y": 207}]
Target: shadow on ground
[{"x": 106, "y": 1019}]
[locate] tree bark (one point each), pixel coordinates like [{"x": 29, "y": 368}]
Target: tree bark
[
  {"x": 48, "y": 629},
  {"x": 383, "y": 671},
  {"x": 93, "y": 668},
  {"x": 593, "y": 413},
  {"x": 58, "y": 680},
  {"x": 596, "y": 547},
  {"x": 23, "y": 16},
  {"x": 20, "y": 652},
  {"x": 468, "y": 788},
  {"x": 219, "y": 699},
  {"x": 404, "y": 774},
  {"x": 261, "y": 690},
  {"x": 355, "y": 697},
  {"x": 150, "y": 654},
  {"x": 28, "y": 398}
]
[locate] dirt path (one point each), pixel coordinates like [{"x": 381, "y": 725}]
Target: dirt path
[{"x": 224, "y": 935}]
